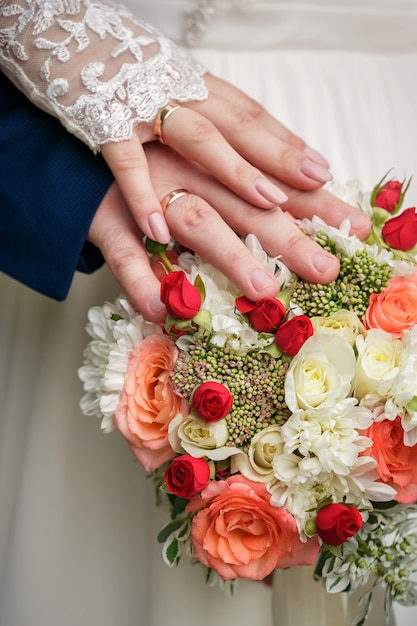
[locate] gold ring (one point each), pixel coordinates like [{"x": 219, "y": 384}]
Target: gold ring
[
  {"x": 170, "y": 197},
  {"x": 163, "y": 114}
]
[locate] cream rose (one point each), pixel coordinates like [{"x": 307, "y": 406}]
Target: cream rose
[
  {"x": 200, "y": 438},
  {"x": 378, "y": 364},
  {"x": 321, "y": 374},
  {"x": 256, "y": 464},
  {"x": 344, "y": 324}
]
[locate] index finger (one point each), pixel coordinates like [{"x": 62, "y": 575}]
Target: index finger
[{"x": 128, "y": 162}]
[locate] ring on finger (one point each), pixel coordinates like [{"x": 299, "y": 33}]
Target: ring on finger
[
  {"x": 163, "y": 115},
  {"x": 171, "y": 196}
]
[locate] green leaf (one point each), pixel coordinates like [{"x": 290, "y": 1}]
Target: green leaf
[
  {"x": 168, "y": 529},
  {"x": 172, "y": 552},
  {"x": 199, "y": 284}
]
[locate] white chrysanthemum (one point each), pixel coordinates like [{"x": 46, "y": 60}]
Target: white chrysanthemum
[
  {"x": 115, "y": 330},
  {"x": 352, "y": 193},
  {"x": 328, "y": 435}
]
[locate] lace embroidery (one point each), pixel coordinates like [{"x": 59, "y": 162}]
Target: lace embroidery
[
  {"x": 198, "y": 21},
  {"x": 94, "y": 65}
]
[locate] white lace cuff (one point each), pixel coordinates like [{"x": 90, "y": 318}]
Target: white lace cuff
[{"x": 94, "y": 65}]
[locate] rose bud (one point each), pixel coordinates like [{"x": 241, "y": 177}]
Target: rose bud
[
  {"x": 337, "y": 522},
  {"x": 400, "y": 232},
  {"x": 389, "y": 196},
  {"x": 265, "y": 314},
  {"x": 212, "y": 401},
  {"x": 293, "y": 333},
  {"x": 186, "y": 476},
  {"x": 180, "y": 297}
]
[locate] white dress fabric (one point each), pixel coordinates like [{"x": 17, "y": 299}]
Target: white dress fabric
[{"x": 78, "y": 516}]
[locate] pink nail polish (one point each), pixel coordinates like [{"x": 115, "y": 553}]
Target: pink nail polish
[
  {"x": 315, "y": 171},
  {"x": 270, "y": 191},
  {"x": 315, "y": 156},
  {"x": 322, "y": 262},
  {"x": 262, "y": 280},
  {"x": 158, "y": 228}
]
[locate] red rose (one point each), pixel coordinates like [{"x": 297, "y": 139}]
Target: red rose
[
  {"x": 401, "y": 232},
  {"x": 180, "y": 297},
  {"x": 186, "y": 476},
  {"x": 389, "y": 196},
  {"x": 212, "y": 401},
  {"x": 337, "y": 522},
  {"x": 293, "y": 333},
  {"x": 265, "y": 314}
]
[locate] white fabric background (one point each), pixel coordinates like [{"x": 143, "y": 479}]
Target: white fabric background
[{"x": 78, "y": 518}]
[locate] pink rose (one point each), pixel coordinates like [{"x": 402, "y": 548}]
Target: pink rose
[
  {"x": 148, "y": 402},
  {"x": 400, "y": 232},
  {"x": 389, "y": 195},
  {"x": 240, "y": 534},
  {"x": 337, "y": 522},
  {"x": 180, "y": 297},
  {"x": 293, "y": 333},
  {"x": 264, "y": 314},
  {"x": 397, "y": 463},
  {"x": 186, "y": 476},
  {"x": 212, "y": 401}
]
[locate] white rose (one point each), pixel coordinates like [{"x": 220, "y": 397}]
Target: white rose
[
  {"x": 200, "y": 438},
  {"x": 321, "y": 374},
  {"x": 256, "y": 464},
  {"x": 344, "y": 324},
  {"x": 378, "y": 365}
]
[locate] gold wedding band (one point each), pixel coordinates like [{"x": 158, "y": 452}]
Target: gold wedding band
[
  {"x": 163, "y": 114},
  {"x": 170, "y": 197}
]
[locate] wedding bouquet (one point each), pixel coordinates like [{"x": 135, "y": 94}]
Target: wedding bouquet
[{"x": 281, "y": 432}]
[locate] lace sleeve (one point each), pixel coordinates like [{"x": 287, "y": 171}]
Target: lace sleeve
[{"x": 94, "y": 65}]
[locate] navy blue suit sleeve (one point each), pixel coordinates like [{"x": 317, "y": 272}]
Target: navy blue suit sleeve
[{"x": 51, "y": 185}]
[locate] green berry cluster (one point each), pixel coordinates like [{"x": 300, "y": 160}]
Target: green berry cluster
[
  {"x": 256, "y": 381},
  {"x": 359, "y": 277}
]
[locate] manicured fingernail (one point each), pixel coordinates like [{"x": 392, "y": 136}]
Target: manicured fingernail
[
  {"x": 315, "y": 156},
  {"x": 159, "y": 228},
  {"x": 155, "y": 305},
  {"x": 262, "y": 280},
  {"x": 270, "y": 191},
  {"x": 358, "y": 221},
  {"x": 323, "y": 262},
  {"x": 315, "y": 171}
]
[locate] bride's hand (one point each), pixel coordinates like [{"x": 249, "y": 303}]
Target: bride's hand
[
  {"x": 233, "y": 138},
  {"x": 198, "y": 220}
]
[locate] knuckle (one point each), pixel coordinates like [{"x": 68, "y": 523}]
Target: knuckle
[
  {"x": 195, "y": 214},
  {"x": 295, "y": 240},
  {"x": 241, "y": 120},
  {"x": 255, "y": 109},
  {"x": 202, "y": 131},
  {"x": 128, "y": 161}
]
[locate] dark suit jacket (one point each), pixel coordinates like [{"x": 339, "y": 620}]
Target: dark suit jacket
[{"x": 50, "y": 187}]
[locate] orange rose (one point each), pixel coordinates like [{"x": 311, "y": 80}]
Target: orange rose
[
  {"x": 148, "y": 402},
  {"x": 395, "y": 308},
  {"x": 397, "y": 463},
  {"x": 240, "y": 534}
]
